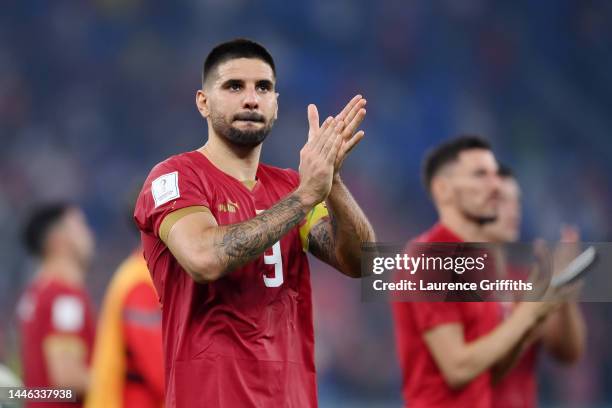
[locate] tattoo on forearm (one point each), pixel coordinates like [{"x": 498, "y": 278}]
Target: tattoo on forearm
[
  {"x": 334, "y": 223},
  {"x": 322, "y": 241},
  {"x": 241, "y": 242},
  {"x": 337, "y": 241}
]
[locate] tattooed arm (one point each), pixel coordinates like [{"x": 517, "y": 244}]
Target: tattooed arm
[
  {"x": 208, "y": 251},
  {"x": 337, "y": 240}
]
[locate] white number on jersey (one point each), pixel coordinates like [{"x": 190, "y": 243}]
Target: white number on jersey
[{"x": 276, "y": 260}]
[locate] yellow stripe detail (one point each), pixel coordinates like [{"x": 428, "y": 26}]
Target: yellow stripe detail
[
  {"x": 65, "y": 343},
  {"x": 312, "y": 218},
  {"x": 173, "y": 217}
]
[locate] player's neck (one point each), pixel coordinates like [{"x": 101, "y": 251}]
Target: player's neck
[
  {"x": 63, "y": 268},
  {"x": 463, "y": 227},
  {"x": 239, "y": 162}
]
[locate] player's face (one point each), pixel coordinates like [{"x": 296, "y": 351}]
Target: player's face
[
  {"x": 78, "y": 235},
  {"x": 475, "y": 185},
  {"x": 242, "y": 102},
  {"x": 506, "y": 227}
]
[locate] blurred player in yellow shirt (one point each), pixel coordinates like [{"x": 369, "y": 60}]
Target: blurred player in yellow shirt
[{"x": 127, "y": 364}]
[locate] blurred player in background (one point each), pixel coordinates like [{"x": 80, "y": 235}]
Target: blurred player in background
[
  {"x": 562, "y": 333},
  {"x": 55, "y": 313},
  {"x": 451, "y": 352},
  {"x": 506, "y": 226},
  {"x": 127, "y": 368},
  {"x": 225, "y": 238}
]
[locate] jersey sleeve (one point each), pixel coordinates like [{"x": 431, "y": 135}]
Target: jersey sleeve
[
  {"x": 67, "y": 314},
  {"x": 171, "y": 186},
  {"x": 141, "y": 322},
  {"x": 67, "y": 321},
  {"x": 428, "y": 315}
]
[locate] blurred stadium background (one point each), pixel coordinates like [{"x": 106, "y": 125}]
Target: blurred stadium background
[{"x": 94, "y": 93}]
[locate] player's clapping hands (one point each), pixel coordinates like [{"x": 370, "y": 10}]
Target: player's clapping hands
[
  {"x": 352, "y": 115},
  {"x": 327, "y": 147},
  {"x": 551, "y": 262},
  {"x": 318, "y": 156}
]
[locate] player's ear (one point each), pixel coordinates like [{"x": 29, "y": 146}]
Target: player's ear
[
  {"x": 54, "y": 241},
  {"x": 440, "y": 189},
  {"x": 276, "y": 109},
  {"x": 202, "y": 103}
]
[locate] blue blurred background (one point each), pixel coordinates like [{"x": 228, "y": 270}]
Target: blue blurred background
[{"x": 94, "y": 93}]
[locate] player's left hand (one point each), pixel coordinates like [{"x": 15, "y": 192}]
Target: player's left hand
[{"x": 352, "y": 115}]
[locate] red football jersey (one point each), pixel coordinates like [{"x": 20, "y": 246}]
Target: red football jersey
[
  {"x": 245, "y": 340},
  {"x": 50, "y": 307},
  {"x": 518, "y": 388},
  {"x": 423, "y": 385}
]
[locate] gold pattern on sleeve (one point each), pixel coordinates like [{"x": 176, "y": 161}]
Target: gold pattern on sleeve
[
  {"x": 65, "y": 343},
  {"x": 170, "y": 219}
]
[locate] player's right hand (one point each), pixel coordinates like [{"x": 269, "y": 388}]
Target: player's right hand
[
  {"x": 318, "y": 156},
  {"x": 552, "y": 300}
]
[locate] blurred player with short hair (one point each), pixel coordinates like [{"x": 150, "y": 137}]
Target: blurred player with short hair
[
  {"x": 451, "y": 352},
  {"x": 225, "y": 238},
  {"x": 127, "y": 369},
  {"x": 563, "y": 332},
  {"x": 506, "y": 227},
  {"x": 55, "y": 313}
]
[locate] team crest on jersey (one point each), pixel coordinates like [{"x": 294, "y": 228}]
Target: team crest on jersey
[{"x": 165, "y": 188}]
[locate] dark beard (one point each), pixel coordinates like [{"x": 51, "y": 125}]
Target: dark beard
[{"x": 249, "y": 138}]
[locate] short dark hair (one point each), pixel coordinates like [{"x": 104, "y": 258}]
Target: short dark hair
[
  {"x": 505, "y": 171},
  {"x": 40, "y": 222},
  {"x": 237, "y": 48},
  {"x": 448, "y": 152}
]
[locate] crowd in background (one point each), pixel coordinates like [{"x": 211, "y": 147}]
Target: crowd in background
[{"x": 93, "y": 94}]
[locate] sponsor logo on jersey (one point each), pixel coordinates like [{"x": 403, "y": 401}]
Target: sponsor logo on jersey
[{"x": 228, "y": 207}]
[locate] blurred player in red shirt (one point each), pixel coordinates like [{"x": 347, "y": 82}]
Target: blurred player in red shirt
[
  {"x": 225, "y": 238},
  {"x": 127, "y": 368},
  {"x": 55, "y": 313},
  {"x": 450, "y": 352},
  {"x": 562, "y": 334}
]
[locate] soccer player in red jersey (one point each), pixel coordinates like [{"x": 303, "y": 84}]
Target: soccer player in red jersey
[
  {"x": 225, "y": 238},
  {"x": 55, "y": 313},
  {"x": 562, "y": 334},
  {"x": 450, "y": 352}
]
